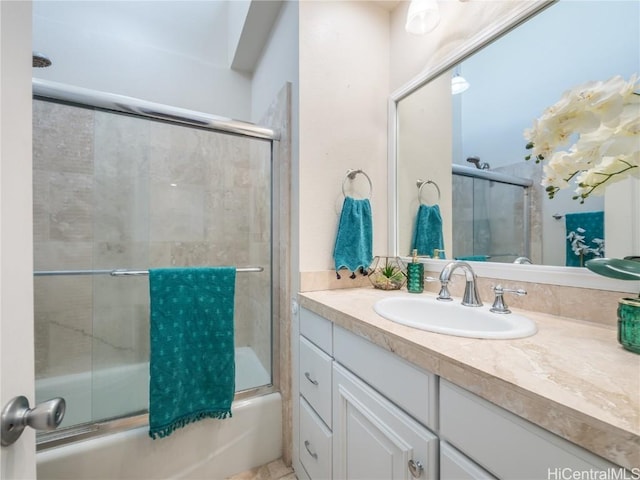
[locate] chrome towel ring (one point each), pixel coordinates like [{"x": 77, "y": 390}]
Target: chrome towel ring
[
  {"x": 351, "y": 174},
  {"x": 420, "y": 184}
]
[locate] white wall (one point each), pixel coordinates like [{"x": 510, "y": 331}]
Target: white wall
[
  {"x": 344, "y": 68},
  {"x": 171, "y": 52},
  {"x": 521, "y": 76},
  {"x": 237, "y": 12},
  {"x": 423, "y": 141},
  {"x": 460, "y": 22},
  {"x": 278, "y": 63}
]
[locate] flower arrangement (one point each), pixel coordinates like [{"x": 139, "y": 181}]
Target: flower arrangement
[
  {"x": 581, "y": 249},
  {"x": 603, "y": 121}
]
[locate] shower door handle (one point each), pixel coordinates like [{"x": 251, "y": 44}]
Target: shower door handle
[{"x": 16, "y": 415}]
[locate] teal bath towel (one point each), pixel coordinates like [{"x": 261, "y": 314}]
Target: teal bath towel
[
  {"x": 354, "y": 241},
  {"x": 427, "y": 232},
  {"x": 585, "y": 234},
  {"x": 192, "y": 355}
]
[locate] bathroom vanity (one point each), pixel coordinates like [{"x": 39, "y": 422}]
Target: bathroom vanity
[{"x": 382, "y": 400}]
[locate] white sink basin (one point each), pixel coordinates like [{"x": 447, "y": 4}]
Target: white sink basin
[{"x": 452, "y": 318}]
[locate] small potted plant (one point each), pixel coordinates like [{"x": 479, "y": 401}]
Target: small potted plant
[{"x": 387, "y": 273}]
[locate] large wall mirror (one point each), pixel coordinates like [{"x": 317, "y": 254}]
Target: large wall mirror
[{"x": 472, "y": 146}]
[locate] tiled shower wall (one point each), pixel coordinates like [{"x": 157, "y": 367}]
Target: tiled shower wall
[
  {"x": 115, "y": 191},
  {"x": 490, "y": 217}
]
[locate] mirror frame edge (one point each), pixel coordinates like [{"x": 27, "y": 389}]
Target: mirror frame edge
[{"x": 552, "y": 275}]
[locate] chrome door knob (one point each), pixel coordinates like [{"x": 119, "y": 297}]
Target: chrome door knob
[{"x": 17, "y": 415}]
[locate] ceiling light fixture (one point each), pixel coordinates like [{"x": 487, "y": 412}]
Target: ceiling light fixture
[{"x": 423, "y": 16}]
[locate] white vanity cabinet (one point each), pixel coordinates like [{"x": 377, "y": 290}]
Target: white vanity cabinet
[
  {"x": 314, "y": 378},
  {"x": 366, "y": 413},
  {"x": 382, "y": 406},
  {"x": 363, "y": 411},
  {"x": 455, "y": 466},
  {"x": 373, "y": 439},
  {"x": 503, "y": 443}
]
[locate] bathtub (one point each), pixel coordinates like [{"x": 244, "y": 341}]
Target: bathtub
[
  {"x": 113, "y": 392},
  {"x": 209, "y": 449}
]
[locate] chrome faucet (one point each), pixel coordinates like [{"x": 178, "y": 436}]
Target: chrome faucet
[
  {"x": 471, "y": 297},
  {"x": 522, "y": 260}
]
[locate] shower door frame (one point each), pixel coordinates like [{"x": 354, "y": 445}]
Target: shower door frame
[
  {"x": 525, "y": 183},
  {"x": 81, "y": 97}
]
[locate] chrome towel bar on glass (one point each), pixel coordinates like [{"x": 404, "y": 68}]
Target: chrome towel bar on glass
[{"x": 122, "y": 272}]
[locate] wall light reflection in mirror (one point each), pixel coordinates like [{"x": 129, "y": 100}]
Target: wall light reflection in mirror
[
  {"x": 458, "y": 84},
  {"x": 423, "y": 16}
]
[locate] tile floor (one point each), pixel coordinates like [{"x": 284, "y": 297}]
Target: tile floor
[{"x": 275, "y": 470}]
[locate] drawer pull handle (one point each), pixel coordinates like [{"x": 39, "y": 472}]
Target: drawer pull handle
[
  {"x": 306, "y": 374},
  {"x": 313, "y": 454},
  {"x": 415, "y": 468}
]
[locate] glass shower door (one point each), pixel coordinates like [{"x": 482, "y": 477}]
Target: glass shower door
[
  {"x": 491, "y": 220},
  {"x": 121, "y": 199},
  {"x": 115, "y": 191}
]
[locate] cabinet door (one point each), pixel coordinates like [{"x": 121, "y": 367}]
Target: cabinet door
[{"x": 373, "y": 438}]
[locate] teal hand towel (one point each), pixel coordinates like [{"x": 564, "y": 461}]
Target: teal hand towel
[
  {"x": 473, "y": 258},
  {"x": 192, "y": 352},
  {"x": 582, "y": 229},
  {"x": 354, "y": 240},
  {"x": 427, "y": 232}
]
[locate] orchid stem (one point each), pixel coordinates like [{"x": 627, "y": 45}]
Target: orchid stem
[{"x": 607, "y": 177}]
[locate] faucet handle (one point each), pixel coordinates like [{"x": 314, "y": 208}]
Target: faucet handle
[{"x": 499, "y": 305}]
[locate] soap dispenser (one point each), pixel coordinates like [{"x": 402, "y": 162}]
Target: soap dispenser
[{"x": 415, "y": 274}]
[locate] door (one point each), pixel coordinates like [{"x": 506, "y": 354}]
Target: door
[
  {"x": 17, "y": 461},
  {"x": 374, "y": 439}
]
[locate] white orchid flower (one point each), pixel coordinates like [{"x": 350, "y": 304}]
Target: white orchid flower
[{"x": 604, "y": 120}]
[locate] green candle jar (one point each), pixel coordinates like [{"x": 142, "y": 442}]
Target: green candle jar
[{"x": 629, "y": 323}]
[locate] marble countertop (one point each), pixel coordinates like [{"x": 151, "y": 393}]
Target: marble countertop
[{"x": 571, "y": 378}]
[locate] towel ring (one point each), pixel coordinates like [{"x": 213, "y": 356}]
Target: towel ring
[
  {"x": 351, "y": 174},
  {"x": 420, "y": 184}
]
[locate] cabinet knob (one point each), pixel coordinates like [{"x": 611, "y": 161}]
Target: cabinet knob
[{"x": 415, "y": 468}]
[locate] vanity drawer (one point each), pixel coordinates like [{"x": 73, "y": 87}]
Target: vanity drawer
[
  {"x": 455, "y": 466},
  {"x": 317, "y": 329},
  {"x": 412, "y": 389},
  {"x": 505, "y": 444},
  {"x": 315, "y": 444},
  {"x": 315, "y": 379}
]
